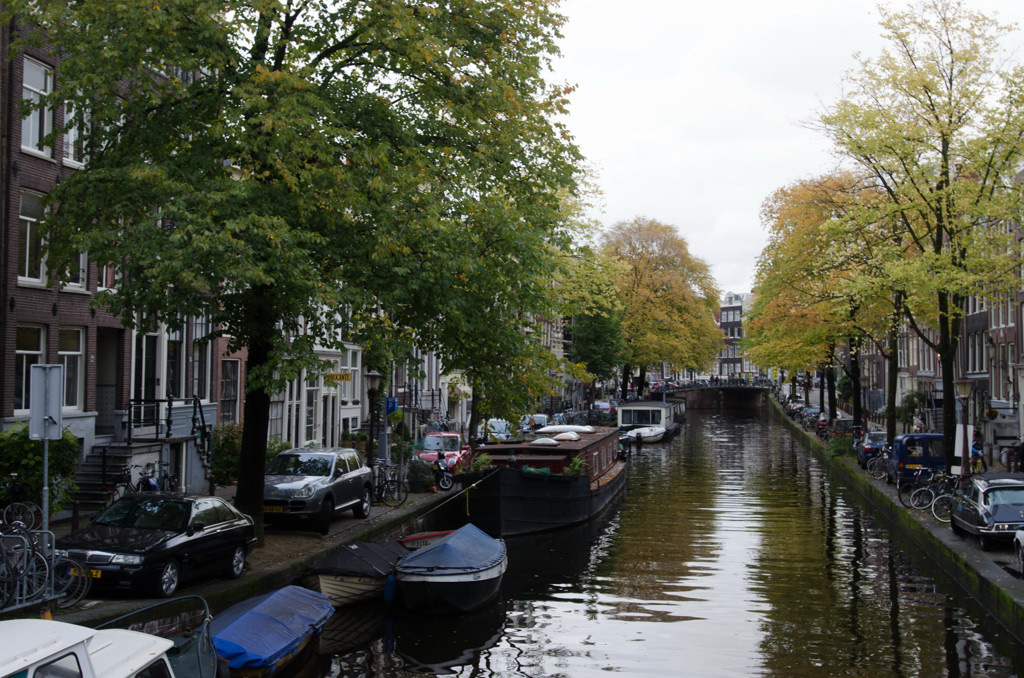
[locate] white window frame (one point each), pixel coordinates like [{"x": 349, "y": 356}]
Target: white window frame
[
  {"x": 23, "y": 357},
  {"x": 36, "y": 126},
  {"x": 201, "y": 358},
  {"x": 75, "y": 125},
  {"x": 30, "y": 243},
  {"x": 73, "y": 360}
]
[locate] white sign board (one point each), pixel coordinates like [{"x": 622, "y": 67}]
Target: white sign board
[{"x": 46, "y": 401}]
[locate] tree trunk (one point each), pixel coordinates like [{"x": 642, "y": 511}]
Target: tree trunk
[
  {"x": 253, "y": 460},
  {"x": 626, "y": 370},
  {"x": 891, "y": 379},
  {"x": 858, "y": 406}
]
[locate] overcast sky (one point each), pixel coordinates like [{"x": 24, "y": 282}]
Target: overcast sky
[{"x": 694, "y": 112}]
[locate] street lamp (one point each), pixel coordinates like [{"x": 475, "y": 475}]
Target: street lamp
[
  {"x": 372, "y": 379},
  {"x": 963, "y": 392}
]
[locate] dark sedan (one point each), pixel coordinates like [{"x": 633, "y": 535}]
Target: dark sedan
[
  {"x": 869, "y": 445},
  {"x": 156, "y": 541},
  {"x": 991, "y": 507}
]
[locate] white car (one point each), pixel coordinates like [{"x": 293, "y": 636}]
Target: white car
[{"x": 494, "y": 429}]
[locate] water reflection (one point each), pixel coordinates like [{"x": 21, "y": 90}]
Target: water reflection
[{"x": 731, "y": 555}]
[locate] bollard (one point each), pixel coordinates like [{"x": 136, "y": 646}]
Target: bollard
[{"x": 75, "y": 515}]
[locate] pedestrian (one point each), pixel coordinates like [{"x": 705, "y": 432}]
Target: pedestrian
[{"x": 977, "y": 451}]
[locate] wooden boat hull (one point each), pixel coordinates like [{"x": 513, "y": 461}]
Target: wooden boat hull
[
  {"x": 506, "y": 502},
  {"x": 346, "y": 590}
]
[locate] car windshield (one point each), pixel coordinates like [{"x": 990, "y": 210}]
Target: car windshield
[
  {"x": 148, "y": 513},
  {"x": 299, "y": 465},
  {"x": 1005, "y": 495},
  {"x": 879, "y": 437}
]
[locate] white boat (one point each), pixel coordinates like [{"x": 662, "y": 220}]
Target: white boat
[
  {"x": 33, "y": 647},
  {"x": 647, "y": 434},
  {"x": 650, "y": 414},
  {"x": 565, "y": 428}
]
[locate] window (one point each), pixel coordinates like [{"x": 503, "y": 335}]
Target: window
[
  {"x": 75, "y": 123},
  {"x": 30, "y": 239},
  {"x": 76, "y": 273},
  {"x": 108, "y": 277},
  {"x": 175, "y": 363},
  {"x": 71, "y": 351},
  {"x": 37, "y": 82},
  {"x": 28, "y": 350},
  {"x": 201, "y": 358},
  {"x": 228, "y": 390},
  {"x": 64, "y": 666}
]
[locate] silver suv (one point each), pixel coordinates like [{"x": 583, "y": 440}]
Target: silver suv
[{"x": 314, "y": 483}]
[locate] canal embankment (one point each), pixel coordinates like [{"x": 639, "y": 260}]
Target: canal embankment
[
  {"x": 287, "y": 554},
  {"x": 989, "y": 578}
]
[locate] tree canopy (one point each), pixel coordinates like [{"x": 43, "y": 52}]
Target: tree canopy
[
  {"x": 668, "y": 295},
  {"x": 302, "y": 172}
]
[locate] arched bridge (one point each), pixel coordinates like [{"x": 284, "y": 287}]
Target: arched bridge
[{"x": 720, "y": 397}]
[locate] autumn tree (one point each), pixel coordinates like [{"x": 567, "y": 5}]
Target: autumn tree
[
  {"x": 668, "y": 296},
  {"x": 938, "y": 127},
  {"x": 299, "y": 172}
]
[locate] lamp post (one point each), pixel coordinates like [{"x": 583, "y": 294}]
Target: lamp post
[
  {"x": 963, "y": 392},
  {"x": 372, "y": 384}
]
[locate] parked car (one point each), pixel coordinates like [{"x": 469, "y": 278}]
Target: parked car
[
  {"x": 841, "y": 428},
  {"x": 494, "y": 429},
  {"x": 156, "y": 540},
  {"x": 991, "y": 508},
  {"x": 869, "y": 445},
  {"x": 315, "y": 483},
  {"x": 914, "y": 452},
  {"x": 455, "y": 450}
]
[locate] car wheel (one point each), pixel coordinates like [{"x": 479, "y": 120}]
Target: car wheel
[
  {"x": 362, "y": 509},
  {"x": 170, "y": 577},
  {"x": 237, "y": 565},
  {"x": 957, "y": 530},
  {"x": 323, "y": 522},
  {"x": 986, "y": 543}
]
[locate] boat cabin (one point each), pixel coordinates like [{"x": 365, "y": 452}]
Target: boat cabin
[
  {"x": 649, "y": 413},
  {"x": 38, "y": 647}
]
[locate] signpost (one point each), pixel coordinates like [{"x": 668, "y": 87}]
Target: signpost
[{"x": 45, "y": 422}]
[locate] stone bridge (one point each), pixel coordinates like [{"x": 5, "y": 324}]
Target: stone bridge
[{"x": 722, "y": 397}]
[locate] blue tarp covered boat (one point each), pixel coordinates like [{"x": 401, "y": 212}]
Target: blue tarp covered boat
[
  {"x": 262, "y": 634},
  {"x": 460, "y": 572}
]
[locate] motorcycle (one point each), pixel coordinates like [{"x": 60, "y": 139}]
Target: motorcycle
[{"x": 442, "y": 476}]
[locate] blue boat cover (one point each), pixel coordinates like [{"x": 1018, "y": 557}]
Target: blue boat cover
[
  {"x": 263, "y": 630},
  {"x": 467, "y": 549}
]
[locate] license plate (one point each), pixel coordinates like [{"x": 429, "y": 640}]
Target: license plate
[
  {"x": 75, "y": 572},
  {"x": 273, "y": 509}
]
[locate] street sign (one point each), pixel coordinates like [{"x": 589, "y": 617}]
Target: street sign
[
  {"x": 46, "y": 402},
  {"x": 391, "y": 406}
]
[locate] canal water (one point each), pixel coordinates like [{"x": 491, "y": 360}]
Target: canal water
[{"x": 731, "y": 554}]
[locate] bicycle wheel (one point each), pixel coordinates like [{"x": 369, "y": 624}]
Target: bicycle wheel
[
  {"x": 394, "y": 493},
  {"x": 71, "y": 582},
  {"x": 922, "y": 498},
  {"x": 941, "y": 507},
  {"x": 26, "y": 513},
  {"x": 904, "y": 489}
]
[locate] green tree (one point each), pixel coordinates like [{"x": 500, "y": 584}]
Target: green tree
[
  {"x": 934, "y": 124},
  {"x": 668, "y": 296},
  {"x": 299, "y": 172}
]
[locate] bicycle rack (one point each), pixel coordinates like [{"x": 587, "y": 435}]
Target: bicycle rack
[{"x": 22, "y": 595}]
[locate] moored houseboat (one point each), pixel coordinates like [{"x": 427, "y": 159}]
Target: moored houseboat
[
  {"x": 545, "y": 483},
  {"x": 652, "y": 414}
]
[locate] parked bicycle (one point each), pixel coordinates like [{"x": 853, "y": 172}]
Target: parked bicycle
[
  {"x": 124, "y": 485},
  {"x": 390, "y": 490},
  {"x": 17, "y": 507},
  {"x": 876, "y": 466},
  {"x": 905, "y": 486}
]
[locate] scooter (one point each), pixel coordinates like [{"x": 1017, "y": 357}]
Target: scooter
[{"x": 442, "y": 476}]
